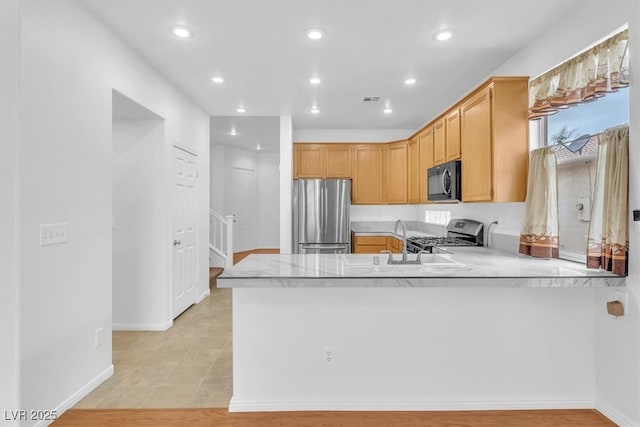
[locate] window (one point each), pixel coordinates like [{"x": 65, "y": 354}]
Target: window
[{"x": 574, "y": 132}]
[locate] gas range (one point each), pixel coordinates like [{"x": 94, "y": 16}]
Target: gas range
[{"x": 460, "y": 232}]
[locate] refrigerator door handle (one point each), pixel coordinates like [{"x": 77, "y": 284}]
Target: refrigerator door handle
[
  {"x": 312, "y": 246},
  {"x": 325, "y": 201}
]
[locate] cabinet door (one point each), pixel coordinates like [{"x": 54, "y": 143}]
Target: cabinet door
[
  {"x": 396, "y": 173},
  {"x": 369, "y": 244},
  {"x": 367, "y": 174},
  {"x": 338, "y": 160},
  {"x": 413, "y": 163},
  {"x": 394, "y": 245},
  {"x": 426, "y": 160},
  {"x": 476, "y": 140},
  {"x": 309, "y": 161},
  {"x": 439, "y": 142},
  {"x": 453, "y": 134}
]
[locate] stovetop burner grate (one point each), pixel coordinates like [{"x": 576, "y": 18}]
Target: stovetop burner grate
[{"x": 460, "y": 232}]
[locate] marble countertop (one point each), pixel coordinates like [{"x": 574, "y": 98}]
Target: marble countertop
[{"x": 465, "y": 267}]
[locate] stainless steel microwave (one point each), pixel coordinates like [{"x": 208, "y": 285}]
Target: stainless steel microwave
[{"x": 443, "y": 182}]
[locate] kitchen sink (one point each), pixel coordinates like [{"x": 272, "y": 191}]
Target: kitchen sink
[{"x": 360, "y": 260}]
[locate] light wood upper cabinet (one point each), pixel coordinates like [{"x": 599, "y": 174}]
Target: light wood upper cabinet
[
  {"x": 395, "y": 167},
  {"x": 494, "y": 142},
  {"x": 426, "y": 160},
  {"x": 413, "y": 165},
  {"x": 452, "y": 125},
  {"x": 367, "y": 174},
  {"x": 439, "y": 142},
  {"x": 309, "y": 161},
  {"x": 322, "y": 160},
  {"x": 338, "y": 160}
]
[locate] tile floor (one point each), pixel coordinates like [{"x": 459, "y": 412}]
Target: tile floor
[{"x": 187, "y": 366}]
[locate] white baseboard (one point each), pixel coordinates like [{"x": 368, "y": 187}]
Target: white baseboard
[
  {"x": 203, "y": 296},
  {"x": 142, "y": 326},
  {"x": 615, "y": 415},
  {"x": 80, "y": 394},
  {"x": 247, "y": 405}
]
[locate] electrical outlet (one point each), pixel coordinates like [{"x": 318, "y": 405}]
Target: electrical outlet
[
  {"x": 328, "y": 356},
  {"x": 54, "y": 234},
  {"x": 99, "y": 337}
]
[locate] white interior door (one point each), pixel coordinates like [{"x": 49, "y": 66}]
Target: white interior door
[
  {"x": 243, "y": 189},
  {"x": 184, "y": 265}
]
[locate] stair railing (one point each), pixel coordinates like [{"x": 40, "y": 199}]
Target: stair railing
[{"x": 221, "y": 236}]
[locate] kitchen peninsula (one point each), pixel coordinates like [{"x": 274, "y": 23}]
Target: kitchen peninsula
[{"x": 477, "y": 329}]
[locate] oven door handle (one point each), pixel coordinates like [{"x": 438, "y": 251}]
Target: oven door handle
[{"x": 442, "y": 178}]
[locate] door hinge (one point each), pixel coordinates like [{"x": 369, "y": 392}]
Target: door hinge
[{"x": 490, "y": 92}]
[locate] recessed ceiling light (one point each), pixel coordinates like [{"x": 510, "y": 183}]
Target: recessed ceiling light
[
  {"x": 315, "y": 33},
  {"x": 233, "y": 132},
  {"x": 314, "y": 110},
  {"x": 258, "y": 147},
  {"x": 410, "y": 81},
  {"x": 217, "y": 79},
  {"x": 314, "y": 80},
  {"x": 182, "y": 32},
  {"x": 443, "y": 35},
  {"x": 241, "y": 110},
  {"x": 387, "y": 111}
]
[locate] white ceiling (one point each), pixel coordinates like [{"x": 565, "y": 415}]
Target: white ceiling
[
  {"x": 370, "y": 47},
  {"x": 250, "y": 132}
]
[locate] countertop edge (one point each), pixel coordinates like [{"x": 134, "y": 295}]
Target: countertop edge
[{"x": 422, "y": 282}]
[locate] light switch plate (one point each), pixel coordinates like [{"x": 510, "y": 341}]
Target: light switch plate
[{"x": 54, "y": 234}]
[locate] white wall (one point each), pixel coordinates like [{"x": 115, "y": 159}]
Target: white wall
[
  {"x": 9, "y": 210},
  {"x": 268, "y": 200},
  {"x": 246, "y": 225},
  {"x": 69, "y": 65},
  {"x": 141, "y": 287},
  {"x": 384, "y": 212},
  {"x": 351, "y": 135},
  {"x": 617, "y": 340},
  {"x": 413, "y": 348},
  {"x": 286, "y": 175},
  {"x": 265, "y": 213}
]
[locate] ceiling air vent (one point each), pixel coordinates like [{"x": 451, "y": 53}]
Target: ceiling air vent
[{"x": 371, "y": 99}]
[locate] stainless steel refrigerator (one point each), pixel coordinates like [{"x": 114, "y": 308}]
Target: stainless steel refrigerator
[{"x": 321, "y": 216}]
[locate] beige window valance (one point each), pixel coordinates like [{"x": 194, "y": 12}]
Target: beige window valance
[{"x": 583, "y": 78}]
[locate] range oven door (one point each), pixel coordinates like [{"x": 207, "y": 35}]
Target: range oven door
[{"x": 443, "y": 182}]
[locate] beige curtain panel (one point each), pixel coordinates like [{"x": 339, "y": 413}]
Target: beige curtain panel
[
  {"x": 608, "y": 241},
  {"x": 539, "y": 232},
  {"x": 583, "y": 78}
]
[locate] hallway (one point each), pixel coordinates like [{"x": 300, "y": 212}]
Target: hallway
[{"x": 187, "y": 366}]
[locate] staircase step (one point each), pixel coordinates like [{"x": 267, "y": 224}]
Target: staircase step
[{"x": 214, "y": 272}]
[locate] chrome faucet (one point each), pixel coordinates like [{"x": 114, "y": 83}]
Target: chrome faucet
[{"x": 404, "y": 238}]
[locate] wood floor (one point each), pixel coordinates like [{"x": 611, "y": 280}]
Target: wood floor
[
  {"x": 222, "y": 418},
  {"x": 239, "y": 256}
]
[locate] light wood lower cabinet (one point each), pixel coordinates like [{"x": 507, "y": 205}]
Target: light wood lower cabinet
[
  {"x": 375, "y": 244},
  {"x": 369, "y": 244},
  {"x": 394, "y": 245}
]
